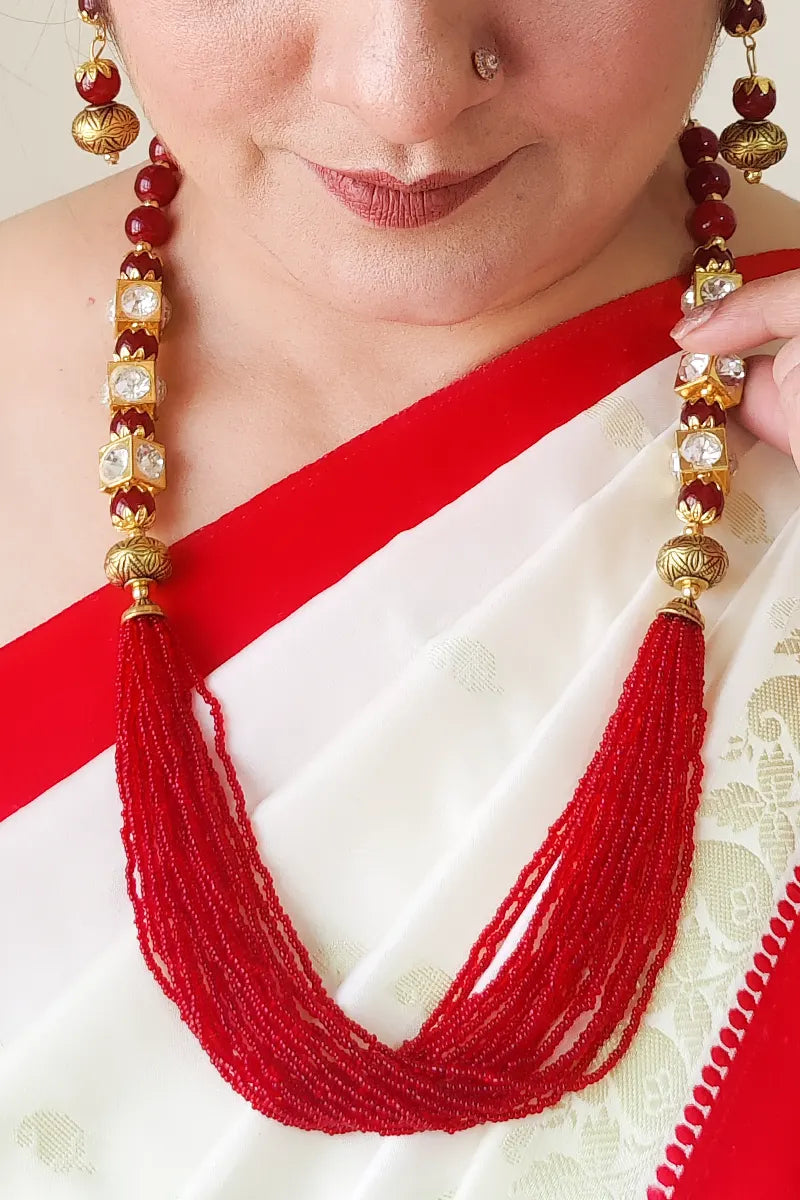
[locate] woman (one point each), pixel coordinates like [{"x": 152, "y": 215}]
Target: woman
[{"x": 417, "y": 613}]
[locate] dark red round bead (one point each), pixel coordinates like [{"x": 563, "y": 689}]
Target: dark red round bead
[
  {"x": 750, "y": 102},
  {"x": 708, "y": 495},
  {"x": 744, "y": 16},
  {"x": 712, "y": 218},
  {"x": 706, "y": 178},
  {"x": 159, "y": 153},
  {"x": 147, "y": 224},
  {"x": 698, "y": 143},
  {"x": 703, "y": 410},
  {"x": 704, "y": 255},
  {"x": 159, "y": 183},
  {"x": 132, "y": 340},
  {"x": 91, "y": 9},
  {"x": 130, "y": 500},
  {"x": 131, "y": 419},
  {"x": 138, "y": 264},
  {"x": 102, "y": 89}
]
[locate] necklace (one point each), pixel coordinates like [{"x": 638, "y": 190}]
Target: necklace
[{"x": 608, "y": 880}]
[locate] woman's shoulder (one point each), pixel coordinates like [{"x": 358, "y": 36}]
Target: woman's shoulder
[{"x": 59, "y": 261}]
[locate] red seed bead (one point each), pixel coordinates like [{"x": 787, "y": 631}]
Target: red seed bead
[
  {"x": 704, "y": 255},
  {"x": 158, "y": 183},
  {"x": 708, "y": 495},
  {"x": 703, "y": 410},
  {"x": 159, "y": 152},
  {"x": 101, "y": 89},
  {"x": 705, "y": 179},
  {"x": 698, "y": 143},
  {"x": 139, "y": 264},
  {"x": 147, "y": 224},
  {"x": 744, "y": 16},
  {"x": 130, "y": 420},
  {"x": 750, "y": 102},
  {"x": 132, "y": 340},
  {"x": 129, "y": 500},
  {"x": 712, "y": 218}
]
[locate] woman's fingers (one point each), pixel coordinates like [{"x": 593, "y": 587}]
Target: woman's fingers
[
  {"x": 756, "y": 313},
  {"x": 761, "y": 410}
]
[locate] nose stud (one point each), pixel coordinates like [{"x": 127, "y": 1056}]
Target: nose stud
[{"x": 486, "y": 62}]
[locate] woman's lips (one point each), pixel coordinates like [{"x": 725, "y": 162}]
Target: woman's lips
[{"x": 388, "y": 202}]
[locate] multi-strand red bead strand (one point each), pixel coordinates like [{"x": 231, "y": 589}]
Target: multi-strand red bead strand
[{"x": 608, "y": 880}]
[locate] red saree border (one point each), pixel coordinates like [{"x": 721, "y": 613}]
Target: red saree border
[
  {"x": 738, "y": 1139},
  {"x": 315, "y": 525}
]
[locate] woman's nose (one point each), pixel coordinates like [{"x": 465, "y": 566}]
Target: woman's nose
[{"x": 403, "y": 67}]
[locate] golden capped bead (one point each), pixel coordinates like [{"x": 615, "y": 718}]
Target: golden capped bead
[
  {"x": 753, "y": 146},
  {"x": 691, "y": 562},
  {"x": 138, "y": 557}
]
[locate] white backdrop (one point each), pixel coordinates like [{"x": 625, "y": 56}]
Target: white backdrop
[{"x": 42, "y": 41}]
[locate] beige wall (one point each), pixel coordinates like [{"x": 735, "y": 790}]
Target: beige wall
[{"x": 42, "y": 41}]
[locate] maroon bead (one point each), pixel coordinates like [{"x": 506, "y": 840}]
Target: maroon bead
[
  {"x": 712, "y": 218},
  {"x": 703, "y": 411},
  {"x": 708, "y": 495},
  {"x": 750, "y": 102},
  {"x": 92, "y": 9},
  {"x": 147, "y": 224},
  {"x": 131, "y": 419},
  {"x": 132, "y": 340},
  {"x": 160, "y": 154},
  {"x": 706, "y": 178},
  {"x": 705, "y": 255},
  {"x": 158, "y": 183},
  {"x": 698, "y": 143},
  {"x": 139, "y": 264},
  {"x": 128, "y": 501},
  {"x": 100, "y": 88},
  {"x": 744, "y": 16}
]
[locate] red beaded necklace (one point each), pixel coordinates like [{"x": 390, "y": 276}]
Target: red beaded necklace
[{"x": 610, "y": 876}]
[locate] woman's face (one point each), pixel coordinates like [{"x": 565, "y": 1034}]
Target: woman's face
[{"x": 588, "y": 100}]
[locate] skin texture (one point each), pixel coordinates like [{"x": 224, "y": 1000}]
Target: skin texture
[{"x": 296, "y": 324}]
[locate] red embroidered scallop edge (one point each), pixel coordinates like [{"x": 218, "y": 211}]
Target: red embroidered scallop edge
[{"x": 723, "y": 1053}]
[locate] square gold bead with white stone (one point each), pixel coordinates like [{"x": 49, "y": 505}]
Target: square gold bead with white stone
[
  {"x": 139, "y": 302},
  {"x": 711, "y": 377},
  {"x": 702, "y": 453},
  {"x": 132, "y": 383},
  {"x": 133, "y": 459},
  {"x": 714, "y": 284}
]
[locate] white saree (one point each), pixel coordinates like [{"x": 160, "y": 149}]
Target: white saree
[{"x": 405, "y": 738}]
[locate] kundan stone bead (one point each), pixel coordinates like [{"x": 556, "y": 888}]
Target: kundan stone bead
[
  {"x": 697, "y": 144},
  {"x": 160, "y": 183},
  {"x": 707, "y": 179},
  {"x": 712, "y": 218},
  {"x": 98, "y": 82},
  {"x": 147, "y": 224},
  {"x": 754, "y": 97}
]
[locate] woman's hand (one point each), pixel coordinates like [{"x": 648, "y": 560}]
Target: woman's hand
[{"x": 756, "y": 313}]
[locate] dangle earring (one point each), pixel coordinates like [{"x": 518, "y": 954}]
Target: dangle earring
[
  {"x": 754, "y": 143},
  {"x": 105, "y": 126}
]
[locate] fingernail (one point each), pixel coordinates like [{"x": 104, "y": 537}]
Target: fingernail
[{"x": 698, "y": 316}]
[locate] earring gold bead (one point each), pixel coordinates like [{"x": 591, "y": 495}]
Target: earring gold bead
[
  {"x": 753, "y": 143},
  {"x": 105, "y": 127}
]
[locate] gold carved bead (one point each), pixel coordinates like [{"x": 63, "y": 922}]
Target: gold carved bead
[
  {"x": 106, "y": 129},
  {"x": 753, "y": 146},
  {"x": 691, "y": 562},
  {"x": 138, "y": 557}
]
